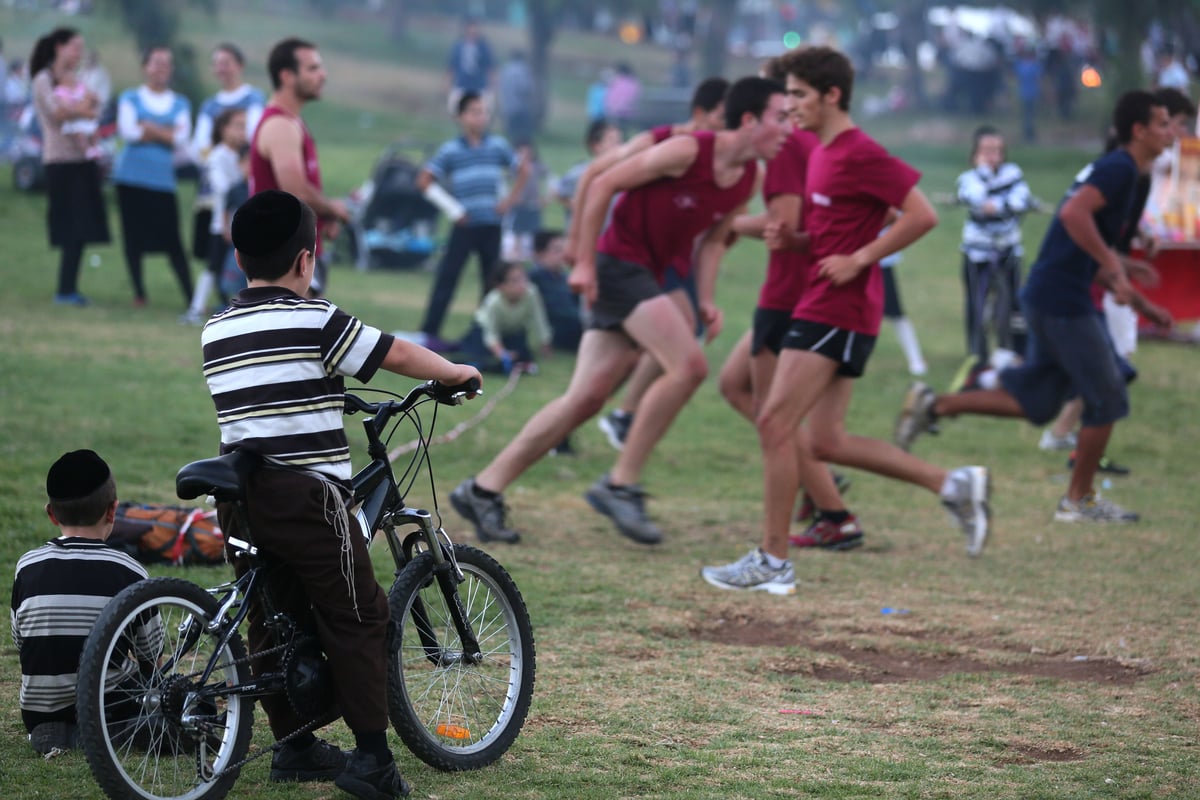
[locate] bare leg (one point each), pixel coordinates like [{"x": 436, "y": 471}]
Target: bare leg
[
  {"x": 648, "y": 369},
  {"x": 1068, "y": 419},
  {"x": 604, "y": 358},
  {"x": 736, "y": 381},
  {"x": 989, "y": 402},
  {"x": 799, "y": 381},
  {"x": 1089, "y": 451},
  {"x": 664, "y": 331},
  {"x": 831, "y": 442}
]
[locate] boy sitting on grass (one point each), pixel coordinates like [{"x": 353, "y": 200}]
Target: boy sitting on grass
[{"x": 59, "y": 591}]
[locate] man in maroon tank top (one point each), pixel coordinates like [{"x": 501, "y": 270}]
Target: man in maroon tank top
[
  {"x": 687, "y": 187},
  {"x": 283, "y": 154}
]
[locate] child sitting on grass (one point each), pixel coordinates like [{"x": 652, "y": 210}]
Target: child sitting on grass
[
  {"x": 510, "y": 324},
  {"x": 59, "y": 591}
]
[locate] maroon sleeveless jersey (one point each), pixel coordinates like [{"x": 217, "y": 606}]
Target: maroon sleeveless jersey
[
  {"x": 656, "y": 224},
  {"x": 262, "y": 176}
]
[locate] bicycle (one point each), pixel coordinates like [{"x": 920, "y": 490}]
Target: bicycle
[{"x": 165, "y": 697}]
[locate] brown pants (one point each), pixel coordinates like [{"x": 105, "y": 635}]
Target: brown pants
[{"x": 325, "y": 578}]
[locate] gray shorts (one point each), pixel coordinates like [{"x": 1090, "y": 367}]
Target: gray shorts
[
  {"x": 1067, "y": 357},
  {"x": 620, "y": 287}
]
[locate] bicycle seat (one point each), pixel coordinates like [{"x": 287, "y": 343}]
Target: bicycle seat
[{"x": 223, "y": 477}]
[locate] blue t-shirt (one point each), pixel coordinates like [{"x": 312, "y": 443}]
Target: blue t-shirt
[
  {"x": 1060, "y": 279},
  {"x": 475, "y": 174}
]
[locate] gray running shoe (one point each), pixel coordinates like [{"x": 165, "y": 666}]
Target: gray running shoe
[
  {"x": 752, "y": 573},
  {"x": 967, "y": 499},
  {"x": 625, "y": 506},
  {"x": 1093, "y": 508},
  {"x": 486, "y": 514},
  {"x": 615, "y": 425},
  {"x": 917, "y": 416}
]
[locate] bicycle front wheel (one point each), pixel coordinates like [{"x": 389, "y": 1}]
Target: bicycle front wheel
[
  {"x": 150, "y": 728},
  {"x": 453, "y": 712}
]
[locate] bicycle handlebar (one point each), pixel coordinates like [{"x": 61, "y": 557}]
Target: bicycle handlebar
[{"x": 440, "y": 392}]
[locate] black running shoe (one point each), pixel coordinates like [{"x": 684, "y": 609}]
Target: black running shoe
[{"x": 320, "y": 761}]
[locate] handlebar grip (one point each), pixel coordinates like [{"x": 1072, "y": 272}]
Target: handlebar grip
[
  {"x": 355, "y": 403},
  {"x": 453, "y": 395}
]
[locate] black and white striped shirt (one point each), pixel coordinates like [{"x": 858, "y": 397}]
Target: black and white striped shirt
[
  {"x": 275, "y": 362},
  {"x": 58, "y": 593},
  {"x": 999, "y": 230}
]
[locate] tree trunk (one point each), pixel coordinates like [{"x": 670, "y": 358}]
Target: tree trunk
[
  {"x": 912, "y": 33},
  {"x": 1129, "y": 21},
  {"x": 543, "y": 21},
  {"x": 712, "y": 56},
  {"x": 398, "y": 24}
]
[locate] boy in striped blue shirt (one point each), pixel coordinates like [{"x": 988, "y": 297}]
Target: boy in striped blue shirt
[{"x": 472, "y": 167}]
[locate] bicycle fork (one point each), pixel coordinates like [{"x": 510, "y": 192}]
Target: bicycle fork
[{"x": 449, "y": 577}]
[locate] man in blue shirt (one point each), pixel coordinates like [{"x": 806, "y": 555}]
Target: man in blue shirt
[
  {"x": 1069, "y": 352},
  {"x": 472, "y": 167},
  {"x": 471, "y": 65}
]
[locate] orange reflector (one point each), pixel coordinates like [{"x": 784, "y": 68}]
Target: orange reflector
[{"x": 453, "y": 731}]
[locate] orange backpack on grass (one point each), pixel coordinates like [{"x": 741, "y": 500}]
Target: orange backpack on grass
[{"x": 163, "y": 534}]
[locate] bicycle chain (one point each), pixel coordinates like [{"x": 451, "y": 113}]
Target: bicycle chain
[{"x": 254, "y": 755}]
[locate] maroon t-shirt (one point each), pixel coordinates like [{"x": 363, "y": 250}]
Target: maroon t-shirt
[
  {"x": 787, "y": 269},
  {"x": 262, "y": 176},
  {"x": 656, "y": 224},
  {"x": 852, "y": 182}
]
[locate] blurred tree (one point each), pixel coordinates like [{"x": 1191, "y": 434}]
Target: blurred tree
[{"x": 155, "y": 23}]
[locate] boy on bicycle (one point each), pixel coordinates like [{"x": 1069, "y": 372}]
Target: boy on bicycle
[
  {"x": 59, "y": 591},
  {"x": 275, "y": 363}
]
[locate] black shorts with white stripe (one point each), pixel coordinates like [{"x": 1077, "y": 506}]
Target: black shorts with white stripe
[{"x": 849, "y": 349}]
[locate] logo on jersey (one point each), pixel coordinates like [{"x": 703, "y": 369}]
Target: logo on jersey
[
  {"x": 821, "y": 200},
  {"x": 685, "y": 201}
]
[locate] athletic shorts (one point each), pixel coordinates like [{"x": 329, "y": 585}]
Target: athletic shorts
[
  {"x": 770, "y": 326},
  {"x": 850, "y": 349},
  {"x": 620, "y": 287},
  {"x": 1066, "y": 357},
  {"x": 672, "y": 281}
]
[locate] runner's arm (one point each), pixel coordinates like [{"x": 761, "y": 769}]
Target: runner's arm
[
  {"x": 643, "y": 141},
  {"x": 917, "y": 218},
  {"x": 1077, "y": 216}
]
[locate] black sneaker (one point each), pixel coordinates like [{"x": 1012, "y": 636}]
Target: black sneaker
[
  {"x": 365, "y": 779},
  {"x": 615, "y": 425},
  {"x": 320, "y": 761},
  {"x": 563, "y": 448},
  {"x": 625, "y": 506},
  {"x": 486, "y": 514},
  {"x": 50, "y": 736}
]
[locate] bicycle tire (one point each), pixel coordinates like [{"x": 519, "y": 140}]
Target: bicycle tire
[
  {"x": 132, "y": 734},
  {"x": 454, "y": 715}
]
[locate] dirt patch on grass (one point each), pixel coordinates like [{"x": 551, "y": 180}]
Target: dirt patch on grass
[
  {"x": 887, "y": 660},
  {"x": 1027, "y": 753}
]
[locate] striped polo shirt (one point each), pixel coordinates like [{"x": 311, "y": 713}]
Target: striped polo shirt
[
  {"x": 58, "y": 593},
  {"x": 275, "y": 364},
  {"x": 475, "y": 174}
]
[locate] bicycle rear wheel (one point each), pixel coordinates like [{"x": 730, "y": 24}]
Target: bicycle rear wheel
[
  {"x": 454, "y": 714},
  {"x": 149, "y": 728}
]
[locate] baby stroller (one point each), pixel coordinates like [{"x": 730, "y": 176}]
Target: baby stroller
[{"x": 394, "y": 225}]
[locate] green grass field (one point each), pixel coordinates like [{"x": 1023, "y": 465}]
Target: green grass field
[{"x": 1061, "y": 664}]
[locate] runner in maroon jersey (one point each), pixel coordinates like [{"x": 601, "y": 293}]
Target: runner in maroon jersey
[
  {"x": 707, "y": 114},
  {"x": 851, "y": 185},
  {"x": 283, "y": 154},
  {"x": 687, "y": 187}
]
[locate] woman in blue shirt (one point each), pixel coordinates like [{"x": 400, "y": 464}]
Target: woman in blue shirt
[{"x": 153, "y": 121}]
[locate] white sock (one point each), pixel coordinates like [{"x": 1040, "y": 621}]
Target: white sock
[
  {"x": 949, "y": 487},
  {"x": 907, "y": 335},
  {"x": 205, "y": 282},
  {"x": 772, "y": 561},
  {"x": 989, "y": 379}
]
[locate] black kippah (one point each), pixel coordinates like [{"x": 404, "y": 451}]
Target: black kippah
[
  {"x": 77, "y": 474},
  {"x": 265, "y": 222}
]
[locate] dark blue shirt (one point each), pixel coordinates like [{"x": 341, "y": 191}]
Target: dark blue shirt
[
  {"x": 560, "y": 302},
  {"x": 1060, "y": 279}
]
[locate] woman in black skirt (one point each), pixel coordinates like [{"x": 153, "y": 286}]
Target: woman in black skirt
[
  {"x": 76, "y": 215},
  {"x": 154, "y": 121}
]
